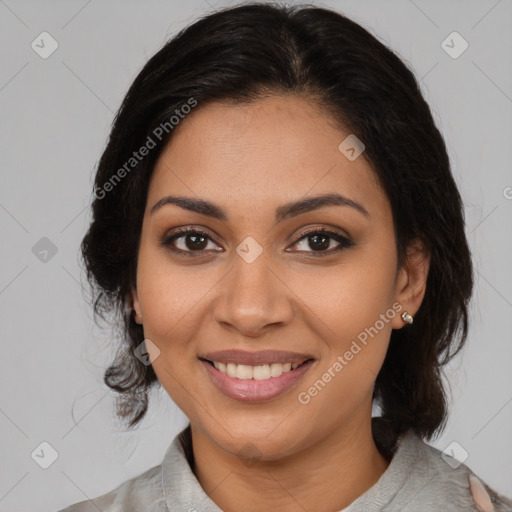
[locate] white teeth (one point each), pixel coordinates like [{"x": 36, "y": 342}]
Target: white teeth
[
  {"x": 259, "y": 372},
  {"x": 244, "y": 371},
  {"x": 276, "y": 369},
  {"x": 231, "y": 369}
]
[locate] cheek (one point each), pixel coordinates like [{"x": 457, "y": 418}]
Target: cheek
[
  {"x": 353, "y": 313},
  {"x": 171, "y": 299},
  {"x": 170, "y": 295},
  {"x": 348, "y": 298}
]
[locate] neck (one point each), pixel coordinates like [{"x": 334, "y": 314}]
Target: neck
[{"x": 326, "y": 476}]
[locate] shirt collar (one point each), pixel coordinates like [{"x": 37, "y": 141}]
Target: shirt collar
[{"x": 183, "y": 492}]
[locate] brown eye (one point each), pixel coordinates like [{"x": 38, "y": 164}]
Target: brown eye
[
  {"x": 188, "y": 241},
  {"x": 319, "y": 240},
  {"x": 195, "y": 241}
]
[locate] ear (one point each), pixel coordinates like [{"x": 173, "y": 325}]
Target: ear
[
  {"x": 136, "y": 306},
  {"x": 411, "y": 282}
]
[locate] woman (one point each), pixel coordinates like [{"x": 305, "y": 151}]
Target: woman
[{"x": 276, "y": 221}]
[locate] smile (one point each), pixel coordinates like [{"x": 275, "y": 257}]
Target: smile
[
  {"x": 270, "y": 375},
  {"x": 259, "y": 372}
]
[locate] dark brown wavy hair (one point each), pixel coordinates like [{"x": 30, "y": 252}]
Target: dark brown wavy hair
[{"x": 241, "y": 54}]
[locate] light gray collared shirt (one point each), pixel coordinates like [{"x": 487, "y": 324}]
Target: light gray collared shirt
[{"x": 418, "y": 479}]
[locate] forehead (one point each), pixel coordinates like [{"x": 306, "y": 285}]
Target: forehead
[{"x": 271, "y": 150}]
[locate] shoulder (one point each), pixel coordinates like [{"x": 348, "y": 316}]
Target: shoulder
[
  {"x": 446, "y": 480},
  {"x": 172, "y": 480},
  {"x": 143, "y": 492}
]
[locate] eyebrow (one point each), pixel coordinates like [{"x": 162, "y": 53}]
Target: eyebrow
[{"x": 282, "y": 213}]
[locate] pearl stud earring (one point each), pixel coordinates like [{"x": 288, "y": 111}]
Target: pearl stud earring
[{"x": 407, "y": 318}]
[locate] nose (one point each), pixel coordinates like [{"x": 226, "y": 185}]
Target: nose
[{"x": 253, "y": 298}]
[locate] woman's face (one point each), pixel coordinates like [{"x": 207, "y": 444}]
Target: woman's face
[{"x": 259, "y": 285}]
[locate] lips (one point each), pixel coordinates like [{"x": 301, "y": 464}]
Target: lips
[
  {"x": 261, "y": 387},
  {"x": 255, "y": 358}
]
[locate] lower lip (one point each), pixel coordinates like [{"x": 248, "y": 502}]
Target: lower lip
[{"x": 252, "y": 390}]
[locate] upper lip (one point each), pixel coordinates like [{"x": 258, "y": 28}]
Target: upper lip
[{"x": 256, "y": 358}]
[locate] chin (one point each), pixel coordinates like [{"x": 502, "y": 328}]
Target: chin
[{"x": 265, "y": 440}]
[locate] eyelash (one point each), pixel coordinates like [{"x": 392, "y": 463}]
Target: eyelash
[{"x": 181, "y": 232}]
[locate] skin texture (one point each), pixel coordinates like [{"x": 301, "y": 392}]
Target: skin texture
[{"x": 251, "y": 159}]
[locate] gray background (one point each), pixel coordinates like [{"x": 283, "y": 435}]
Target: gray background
[{"x": 55, "y": 119}]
